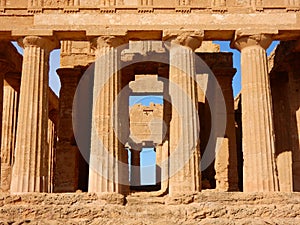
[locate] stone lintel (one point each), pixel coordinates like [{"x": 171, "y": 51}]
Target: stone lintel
[
  {"x": 32, "y": 32},
  {"x": 92, "y": 33}
]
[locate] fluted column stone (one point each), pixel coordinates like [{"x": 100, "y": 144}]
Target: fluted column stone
[
  {"x": 9, "y": 124},
  {"x": 30, "y": 167},
  {"x": 5, "y": 67},
  {"x": 107, "y": 162},
  {"x": 184, "y": 143},
  {"x": 257, "y": 116}
]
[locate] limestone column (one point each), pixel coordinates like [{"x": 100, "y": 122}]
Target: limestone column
[
  {"x": 51, "y": 141},
  {"x": 158, "y": 151},
  {"x": 257, "y": 116},
  {"x": 5, "y": 67},
  {"x": 30, "y": 168},
  {"x": 283, "y": 128},
  {"x": 135, "y": 172},
  {"x": 226, "y": 157},
  {"x": 184, "y": 143},
  {"x": 107, "y": 173},
  {"x": 67, "y": 153},
  {"x": 9, "y": 125}
]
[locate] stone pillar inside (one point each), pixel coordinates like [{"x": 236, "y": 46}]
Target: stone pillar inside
[
  {"x": 257, "y": 116},
  {"x": 30, "y": 167},
  {"x": 225, "y": 165},
  {"x": 135, "y": 173},
  {"x": 8, "y": 117},
  {"x": 294, "y": 100},
  {"x": 226, "y": 157},
  {"x": 184, "y": 147},
  {"x": 67, "y": 152}
]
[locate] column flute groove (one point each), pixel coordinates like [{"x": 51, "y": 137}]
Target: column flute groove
[
  {"x": 184, "y": 177},
  {"x": 258, "y": 129},
  {"x": 105, "y": 174},
  {"x": 29, "y": 167}
]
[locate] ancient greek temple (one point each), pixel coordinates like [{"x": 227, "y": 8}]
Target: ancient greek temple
[{"x": 149, "y": 46}]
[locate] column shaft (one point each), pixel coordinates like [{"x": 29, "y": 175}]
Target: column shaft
[
  {"x": 184, "y": 143},
  {"x": 257, "y": 116},
  {"x": 30, "y": 168},
  {"x": 51, "y": 151},
  {"x": 10, "y": 107},
  {"x": 294, "y": 99},
  {"x": 283, "y": 129},
  {"x": 107, "y": 170},
  {"x": 135, "y": 173},
  {"x": 67, "y": 153},
  {"x": 226, "y": 157}
]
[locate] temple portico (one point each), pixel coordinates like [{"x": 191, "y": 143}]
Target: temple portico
[{"x": 150, "y": 49}]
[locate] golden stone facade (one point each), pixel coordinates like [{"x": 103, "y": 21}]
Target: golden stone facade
[{"x": 259, "y": 150}]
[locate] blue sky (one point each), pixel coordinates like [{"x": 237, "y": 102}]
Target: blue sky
[{"x": 148, "y": 155}]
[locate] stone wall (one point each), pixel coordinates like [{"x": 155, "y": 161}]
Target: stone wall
[{"x": 205, "y": 208}]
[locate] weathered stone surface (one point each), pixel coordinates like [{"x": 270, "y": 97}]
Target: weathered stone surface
[
  {"x": 258, "y": 129},
  {"x": 146, "y": 124},
  {"x": 30, "y": 149},
  {"x": 106, "y": 173},
  {"x": 204, "y": 208},
  {"x": 184, "y": 164}
]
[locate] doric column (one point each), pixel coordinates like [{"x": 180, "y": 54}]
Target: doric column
[
  {"x": 67, "y": 153},
  {"x": 5, "y": 67},
  {"x": 135, "y": 172},
  {"x": 107, "y": 173},
  {"x": 257, "y": 115},
  {"x": 158, "y": 151},
  {"x": 184, "y": 143},
  {"x": 9, "y": 125},
  {"x": 226, "y": 157},
  {"x": 30, "y": 167}
]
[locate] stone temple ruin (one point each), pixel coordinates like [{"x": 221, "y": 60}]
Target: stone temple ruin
[{"x": 259, "y": 150}]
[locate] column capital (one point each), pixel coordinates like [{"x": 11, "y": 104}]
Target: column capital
[
  {"x": 108, "y": 41},
  {"x": 41, "y": 42},
  {"x": 227, "y": 73},
  {"x": 242, "y": 41},
  {"x": 190, "y": 39},
  {"x": 69, "y": 74}
]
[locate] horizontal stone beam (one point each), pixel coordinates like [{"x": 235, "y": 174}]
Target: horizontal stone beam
[{"x": 83, "y": 26}]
